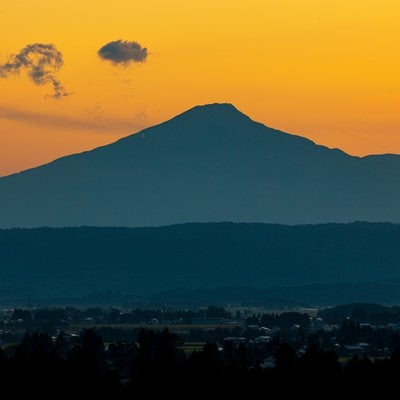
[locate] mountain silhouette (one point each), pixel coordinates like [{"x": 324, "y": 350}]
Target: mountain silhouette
[
  {"x": 58, "y": 262},
  {"x": 211, "y": 163}
]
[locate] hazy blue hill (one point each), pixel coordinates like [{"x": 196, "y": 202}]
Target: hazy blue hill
[
  {"x": 271, "y": 297},
  {"x": 211, "y": 163},
  {"x": 78, "y": 261}
]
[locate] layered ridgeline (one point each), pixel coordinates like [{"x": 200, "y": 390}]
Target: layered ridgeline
[
  {"x": 55, "y": 262},
  {"x": 211, "y": 163}
]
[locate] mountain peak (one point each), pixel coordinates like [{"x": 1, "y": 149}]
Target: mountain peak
[
  {"x": 210, "y": 163},
  {"x": 221, "y": 107},
  {"x": 223, "y": 112}
]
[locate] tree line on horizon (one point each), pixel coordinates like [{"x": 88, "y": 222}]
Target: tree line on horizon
[{"x": 156, "y": 364}]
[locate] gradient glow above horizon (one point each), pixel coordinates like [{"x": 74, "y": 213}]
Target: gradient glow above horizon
[{"x": 326, "y": 70}]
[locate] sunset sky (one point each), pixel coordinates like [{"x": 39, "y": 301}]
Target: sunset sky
[{"x": 328, "y": 70}]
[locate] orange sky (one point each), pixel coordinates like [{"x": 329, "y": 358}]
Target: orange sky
[{"x": 327, "y": 70}]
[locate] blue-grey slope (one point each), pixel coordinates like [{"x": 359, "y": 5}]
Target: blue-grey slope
[
  {"x": 53, "y": 262},
  {"x": 211, "y": 163}
]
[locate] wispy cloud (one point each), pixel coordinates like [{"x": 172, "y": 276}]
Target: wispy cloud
[
  {"x": 123, "y": 52},
  {"x": 41, "y": 62},
  {"x": 61, "y": 121}
]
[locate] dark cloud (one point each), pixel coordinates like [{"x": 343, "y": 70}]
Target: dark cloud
[
  {"x": 41, "y": 62},
  {"x": 121, "y": 52}
]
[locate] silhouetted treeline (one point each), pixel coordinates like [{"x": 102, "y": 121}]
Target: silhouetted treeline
[
  {"x": 47, "y": 319},
  {"x": 156, "y": 363},
  {"x": 362, "y": 312},
  {"x": 284, "y": 320}
]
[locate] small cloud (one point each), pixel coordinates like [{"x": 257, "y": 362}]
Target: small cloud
[
  {"x": 41, "y": 62},
  {"x": 120, "y": 52}
]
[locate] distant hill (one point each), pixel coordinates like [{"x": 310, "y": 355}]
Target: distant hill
[
  {"x": 312, "y": 295},
  {"x": 325, "y": 262},
  {"x": 209, "y": 164}
]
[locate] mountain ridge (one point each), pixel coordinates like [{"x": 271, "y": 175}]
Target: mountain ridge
[
  {"x": 211, "y": 163},
  {"x": 50, "y": 262},
  {"x": 226, "y": 106}
]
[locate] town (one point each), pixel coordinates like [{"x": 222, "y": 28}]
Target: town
[
  {"x": 124, "y": 350},
  {"x": 357, "y": 329}
]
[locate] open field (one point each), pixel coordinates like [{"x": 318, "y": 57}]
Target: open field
[
  {"x": 157, "y": 327},
  {"x": 193, "y": 346},
  {"x": 250, "y": 311}
]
